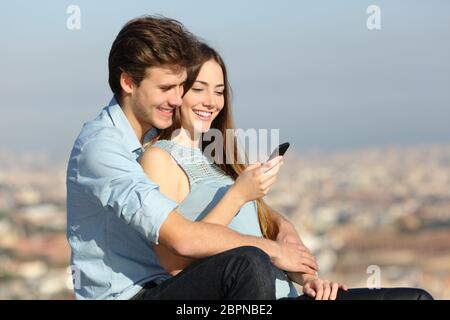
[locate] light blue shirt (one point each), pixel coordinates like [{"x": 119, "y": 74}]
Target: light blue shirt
[
  {"x": 207, "y": 186},
  {"x": 114, "y": 212}
]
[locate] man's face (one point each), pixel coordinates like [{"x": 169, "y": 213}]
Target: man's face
[{"x": 154, "y": 101}]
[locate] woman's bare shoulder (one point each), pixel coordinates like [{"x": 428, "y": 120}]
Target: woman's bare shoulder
[{"x": 156, "y": 160}]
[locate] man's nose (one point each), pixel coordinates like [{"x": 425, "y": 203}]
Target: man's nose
[{"x": 176, "y": 97}]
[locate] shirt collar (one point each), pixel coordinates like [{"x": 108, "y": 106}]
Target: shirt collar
[{"x": 121, "y": 122}]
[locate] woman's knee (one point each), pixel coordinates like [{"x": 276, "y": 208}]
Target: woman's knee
[
  {"x": 384, "y": 294},
  {"x": 407, "y": 294}
]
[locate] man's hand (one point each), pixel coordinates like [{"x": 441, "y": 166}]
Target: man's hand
[
  {"x": 289, "y": 235},
  {"x": 294, "y": 258}
]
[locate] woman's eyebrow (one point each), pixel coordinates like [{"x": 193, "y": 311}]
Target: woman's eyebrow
[
  {"x": 207, "y": 84},
  {"x": 202, "y": 82}
]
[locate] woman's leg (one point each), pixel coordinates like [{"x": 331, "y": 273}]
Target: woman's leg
[{"x": 379, "y": 294}]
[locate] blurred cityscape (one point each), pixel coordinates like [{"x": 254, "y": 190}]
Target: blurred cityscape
[
  {"x": 385, "y": 207},
  {"x": 375, "y": 209}
]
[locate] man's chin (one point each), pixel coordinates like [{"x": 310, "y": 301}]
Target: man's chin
[{"x": 162, "y": 124}]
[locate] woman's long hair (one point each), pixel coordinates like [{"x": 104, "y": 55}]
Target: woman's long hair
[{"x": 223, "y": 122}]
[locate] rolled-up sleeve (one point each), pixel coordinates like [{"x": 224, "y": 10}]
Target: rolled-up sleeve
[{"x": 109, "y": 172}]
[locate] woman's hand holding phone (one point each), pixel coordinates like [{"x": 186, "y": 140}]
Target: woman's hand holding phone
[{"x": 256, "y": 180}]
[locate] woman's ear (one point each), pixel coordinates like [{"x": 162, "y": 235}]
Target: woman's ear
[{"x": 127, "y": 83}]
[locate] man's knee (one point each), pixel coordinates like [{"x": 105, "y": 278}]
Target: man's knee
[
  {"x": 254, "y": 269},
  {"x": 257, "y": 257}
]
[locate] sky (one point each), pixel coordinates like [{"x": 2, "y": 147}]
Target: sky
[{"x": 311, "y": 69}]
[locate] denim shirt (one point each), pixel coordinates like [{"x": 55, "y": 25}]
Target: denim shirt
[{"x": 114, "y": 212}]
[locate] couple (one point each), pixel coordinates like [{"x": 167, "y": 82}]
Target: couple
[{"x": 150, "y": 216}]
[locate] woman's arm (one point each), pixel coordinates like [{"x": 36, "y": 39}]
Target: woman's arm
[
  {"x": 162, "y": 170},
  {"x": 199, "y": 239},
  {"x": 159, "y": 166},
  {"x": 253, "y": 183}
]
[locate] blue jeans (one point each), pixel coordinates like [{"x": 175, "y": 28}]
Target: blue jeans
[
  {"x": 246, "y": 273},
  {"x": 241, "y": 273},
  {"x": 377, "y": 294}
]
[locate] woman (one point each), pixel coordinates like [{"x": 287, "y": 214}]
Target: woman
[{"x": 197, "y": 182}]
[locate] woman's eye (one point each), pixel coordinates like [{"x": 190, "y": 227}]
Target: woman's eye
[
  {"x": 197, "y": 89},
  {"x": 219, "y": 93}
]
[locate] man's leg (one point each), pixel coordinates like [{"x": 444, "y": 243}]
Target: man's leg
[{"x": 241, "y": 273}]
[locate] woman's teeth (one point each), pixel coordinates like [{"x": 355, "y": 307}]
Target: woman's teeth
[{"x": 204, "y": 115}]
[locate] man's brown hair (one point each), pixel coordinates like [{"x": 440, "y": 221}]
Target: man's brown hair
[{"x": 149, "y": 41}]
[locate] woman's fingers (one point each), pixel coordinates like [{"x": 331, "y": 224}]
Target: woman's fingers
[
  {"x": 264, "y": 176},
  {"x": 270, "y": 168},
  {"x": 323, "y": 289},
  {"x": 272, "y": 163},
  {"x": 309, "y": 291},
  {"x": 253, "y": 166},
  {"x": 268, "y": 183},
  {"x": 334, "y": 290},
  {"x": 343, "y": 287},
  {"x": 326, "y": 290},
  {"x": 319, "y": 290}
]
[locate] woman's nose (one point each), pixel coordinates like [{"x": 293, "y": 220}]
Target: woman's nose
[{"x": 209, "y": 101}]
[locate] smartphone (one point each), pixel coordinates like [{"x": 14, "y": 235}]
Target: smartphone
[{"x": 279, "y": 151}]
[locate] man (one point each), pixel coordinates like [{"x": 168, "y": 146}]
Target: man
[{"x": 115, "y": 213}]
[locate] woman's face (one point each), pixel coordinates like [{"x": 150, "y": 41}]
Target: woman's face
[{"x": 203, "y": 102}]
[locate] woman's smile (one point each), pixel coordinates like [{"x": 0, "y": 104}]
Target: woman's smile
[{"x": 202, "y": 115}]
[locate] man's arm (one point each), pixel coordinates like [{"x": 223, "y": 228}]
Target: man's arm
[
  {"x": 194, "y": 240},
  {"x": 284, "y": 230},
  {"x": 201, "y": 239},
  {"x": 161, "y": 168},
  {"x": 108, "y": 173}
]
